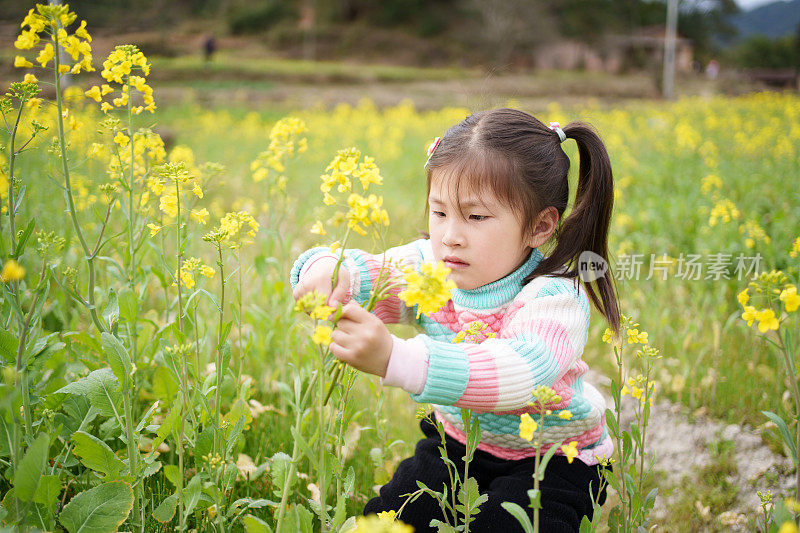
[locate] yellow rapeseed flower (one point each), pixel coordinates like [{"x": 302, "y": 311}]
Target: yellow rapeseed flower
[
  {"x": 322, "y": 335},
  {"x": 12, "y": 271},
  {"x": 46, "y": 55},
  {"x": 318, "y": 228},
  {"x": 766, "y": 320},
  {"x": 199, "y": 215},
  {"x": 790, "y": 298},
  {"x": 635, "y": 337},
  {"x": 795, "y": 248},
  {"x": 94, "y": 94},
  {"x": 385, "y": 523},
  {"x": 570, "y": 450},
  {"x": 168, "y": 204},
  {"x": 788, "y": 526},
  {"x": 527, "y": 427},
  {"x": 21, "y": 62},
  {"x": 566, "y": 415},
  {"x": 154, "y": 229},
  {"x": 428, "y": 289},
  {"x": 743, "y": 297},
  {"x": 749, "y": 314}
]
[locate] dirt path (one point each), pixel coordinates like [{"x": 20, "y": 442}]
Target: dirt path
[{"x": 684, "y": 445}]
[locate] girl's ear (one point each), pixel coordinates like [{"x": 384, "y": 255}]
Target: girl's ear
[{"x": 545, "y": 225}]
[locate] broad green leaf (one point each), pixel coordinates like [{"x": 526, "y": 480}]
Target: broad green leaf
[
  {"x": 96, "y": 454},
  {"x": 48, "y": 491},
  {"x": 278, "y": 471},
  {"x": 166, "y": 510},
  {"x": 102, "y": 508},
  {"x": 255, "y": 525},
  {"x": 128, "y": 304},
  {"x": 101, "y": 388},
  {"x": 30, "y": 469},
  {"x": 118, "y": 357},
  {"x": 191, "y": 494},
  {"x": 165, "y": 387}
]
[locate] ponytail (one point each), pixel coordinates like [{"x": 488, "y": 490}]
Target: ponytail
[{"x": 586, "y": 227}]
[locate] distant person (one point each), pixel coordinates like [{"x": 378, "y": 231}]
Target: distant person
[
  {"x": 209, "y": 47},
  {"x": 497, "y": 190},
  {"x": 712, "y": 69}
]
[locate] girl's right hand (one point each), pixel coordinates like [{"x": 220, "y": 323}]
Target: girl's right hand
[{"x": 318, "y": 278}]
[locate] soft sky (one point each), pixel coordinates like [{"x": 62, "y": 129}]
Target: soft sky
[{"x": 750, "y": 4}]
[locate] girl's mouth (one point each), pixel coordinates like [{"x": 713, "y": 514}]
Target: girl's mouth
[{"x": 454, "y": 263}]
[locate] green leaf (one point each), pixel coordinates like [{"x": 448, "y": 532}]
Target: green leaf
[
  {"x": 29, "y": 472},
  {"x": 191, "y": 494},
  {"x": 111, "y": 311},
  {"x": 166, "y": 510},
  {"x": 48, "y": 491},
  {"x": 118, "y": 357},
  {"x": 23, "y": 239},
  {"x": 304, "y": 519},
  {"x": 349, "y": 482},
  {"x": 128, "y": 304},
  {"x": 6, "y": 439},
  {"x": 96, "y": 454},
  {"x": 165, "y": 387},
  {"x": 102, "y": 508},
  {"x": 785, "y": 433},
  {"x": 255, "y": 525},
  {"x": 611, "y": 421},
  {"x": 168, "y": 426},
  {"x": 546, "y": 459},
  {"x": 100, "y": 387},
  {"x": 279, "y": 469},
  {"x": 8, "y": 346}
]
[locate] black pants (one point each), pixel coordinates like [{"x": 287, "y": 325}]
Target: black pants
[{"x": 565, "y": 488}]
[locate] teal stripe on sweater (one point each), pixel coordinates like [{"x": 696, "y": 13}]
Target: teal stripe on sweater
[
  {"x": 358, "y": 258},
  {"x": 448, "y": 374}
]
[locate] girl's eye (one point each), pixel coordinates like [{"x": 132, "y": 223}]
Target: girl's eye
[
  {"x": 437, "y": 214},
  {"x": 478, "y": 218}
]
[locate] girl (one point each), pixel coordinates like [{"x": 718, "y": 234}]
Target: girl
[{"x": 497, "y": 191}]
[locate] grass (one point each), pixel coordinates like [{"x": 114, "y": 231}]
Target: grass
[{"x": 232, "y": 66}]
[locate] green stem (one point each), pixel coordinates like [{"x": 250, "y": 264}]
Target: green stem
[
  {"x": 790, "y": 372},
  {"x": 323, "y": 512},
  {"x": 70, "y": 200},
  {"x": 184, "y": 381},
  {"x": 623, "y": 493},
  {"x": 130, "y": 399},
  {"x": 12, "y": 158},
  {"x": 218, "y": 363},
  {"x": 295, "y": 453}
]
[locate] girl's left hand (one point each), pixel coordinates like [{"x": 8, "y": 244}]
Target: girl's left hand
[{"x": 361, "y": 340}]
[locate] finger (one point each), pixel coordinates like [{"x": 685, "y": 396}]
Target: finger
[
  {"x": 339, "y": 294},
  {"x": 298, "y": 291},
  {"x": 340, "y": 352},
  {"x": 354, "y": 312}
]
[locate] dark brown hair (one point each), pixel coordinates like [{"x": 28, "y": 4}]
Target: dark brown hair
[{"x": 520, "y": 160}]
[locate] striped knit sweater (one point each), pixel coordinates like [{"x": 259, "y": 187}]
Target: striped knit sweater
[{"x": 540, "y": 332}]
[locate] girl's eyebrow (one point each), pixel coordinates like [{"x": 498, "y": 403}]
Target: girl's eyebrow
[{"x": 470, "y": 202}]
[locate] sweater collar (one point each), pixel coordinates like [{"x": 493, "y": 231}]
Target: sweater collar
[{"x": 498, "y": 292}]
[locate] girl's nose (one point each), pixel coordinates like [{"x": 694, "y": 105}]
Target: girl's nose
[{"x": 453, "y": 235}]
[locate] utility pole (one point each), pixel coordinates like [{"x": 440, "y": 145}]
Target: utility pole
[{"x": 669, "y": 50}]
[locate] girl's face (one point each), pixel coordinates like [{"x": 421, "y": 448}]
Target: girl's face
[{"x": 480, "y": 239}]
